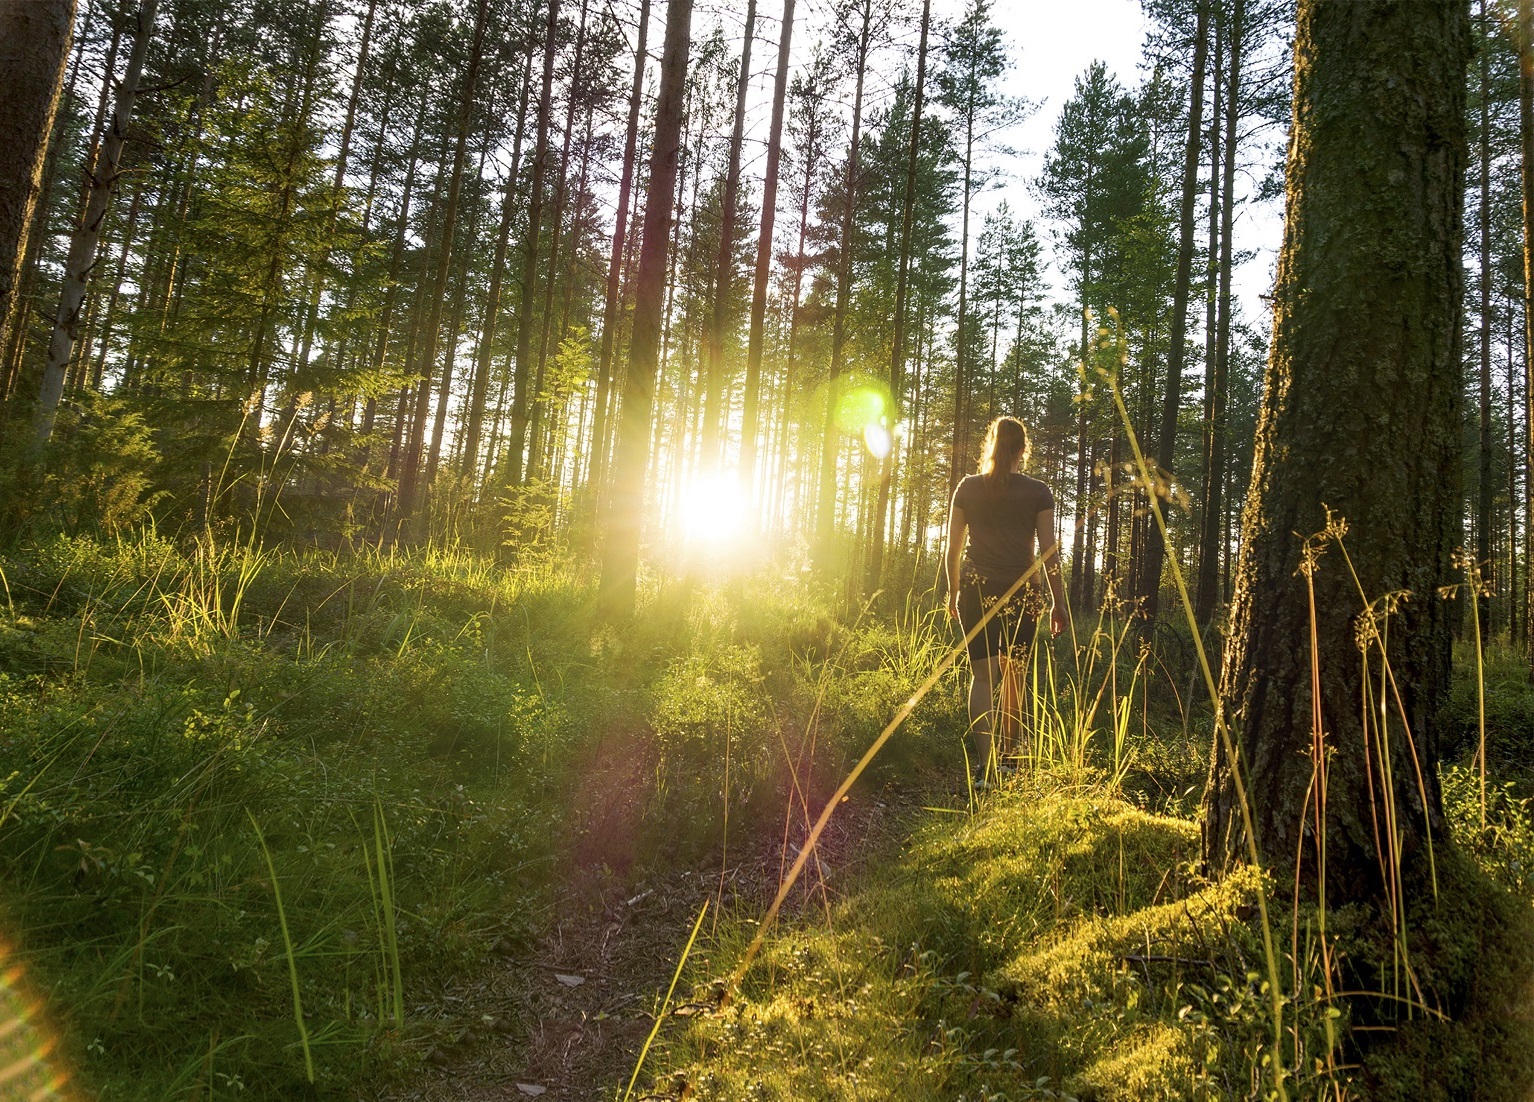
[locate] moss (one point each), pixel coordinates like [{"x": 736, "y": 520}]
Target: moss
[{"x": 1472, "y": 953}]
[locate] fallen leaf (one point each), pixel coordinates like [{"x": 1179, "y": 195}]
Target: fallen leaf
[
  {"x": 531, "y": 1088},
  {"x": 569, "y": 980}
]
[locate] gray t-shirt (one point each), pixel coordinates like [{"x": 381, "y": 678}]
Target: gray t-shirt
[{"x": 1002, "y": 523}]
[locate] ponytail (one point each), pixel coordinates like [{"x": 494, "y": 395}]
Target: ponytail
[{"x": 1005, "y": 441}]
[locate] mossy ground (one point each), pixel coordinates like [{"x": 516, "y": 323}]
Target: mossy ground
[
  {"x": 1059, "y": 942},
  {"x": 167, "y": 709}
]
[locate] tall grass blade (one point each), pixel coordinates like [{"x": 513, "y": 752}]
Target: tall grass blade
[
  {"x": 666, "y": 1003},
  {"x": 287, "y": 948}
]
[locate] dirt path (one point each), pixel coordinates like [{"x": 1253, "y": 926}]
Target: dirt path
[{"x": 569, "y": 1022}]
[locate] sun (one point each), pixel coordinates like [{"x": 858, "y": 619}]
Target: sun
[{"x": 713, "y": 511}]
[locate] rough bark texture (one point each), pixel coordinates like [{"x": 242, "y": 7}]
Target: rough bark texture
[
  {"x": 34, "y": 45},
  {"x": 1361, "y": 412},
  {"x": 620, "y": 562}
]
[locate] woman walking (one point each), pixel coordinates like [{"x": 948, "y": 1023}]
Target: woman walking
[{"x": 1006, "y": 515}]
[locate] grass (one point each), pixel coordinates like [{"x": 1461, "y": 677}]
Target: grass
[{"x": 258, "y": 805}]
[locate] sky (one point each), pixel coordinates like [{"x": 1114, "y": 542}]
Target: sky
[{"x": 1050, "y": 43}]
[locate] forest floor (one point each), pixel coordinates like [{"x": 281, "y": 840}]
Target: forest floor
[
  {"x": 282, "y": 824},
  {"x": 575, "y": 1022}
]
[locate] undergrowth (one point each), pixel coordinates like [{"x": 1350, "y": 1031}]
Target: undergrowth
[{"x": 257, "y": 806}]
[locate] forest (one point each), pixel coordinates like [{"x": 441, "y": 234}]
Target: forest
[{"x": 476, "y": 482}]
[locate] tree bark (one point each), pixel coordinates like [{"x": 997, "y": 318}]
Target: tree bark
[
  {"x": 825, "y": 513},
  {"x": 1171, "y": 404},
  {"x": 1483, "y": 495},
  {"x": 724, "y": 264},
  {"x": 84, "y": 244},
  {"x": 902, "y": 289},
  {"x": 1360, "y": 421},
  {"x": 411, "y": 467},
  {"x": 523, "y": 372},
  {"x": 1526, "y": 165},
  {"x": 620, "y": 561},
  {"x": 596, "y": 472},
  {"x": 34, "y": 47}
]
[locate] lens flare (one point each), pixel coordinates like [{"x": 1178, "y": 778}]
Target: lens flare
[{"x": 877, "y": 439}]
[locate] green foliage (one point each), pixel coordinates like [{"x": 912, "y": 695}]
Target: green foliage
[
  {"x": 1052, "y": 946},
  {"x": 374, "y": 719},
  {"x": 96, "y": 473}
]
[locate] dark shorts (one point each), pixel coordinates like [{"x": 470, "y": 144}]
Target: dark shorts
[{"x": 1010, "y": 632}]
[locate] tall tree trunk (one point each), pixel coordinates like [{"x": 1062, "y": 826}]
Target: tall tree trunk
[
  {"x": 523, "y": 374},
  {"x": 1364, "y": 380},
  {"x": 1209, "y": 591},
  {"x": 411, "y": 467},
  {"x": 480, "y": 385},
  {"x": 348, "y": 124},
  {"x": 902, "y": 289},
  {"x": 87, "y": 236},
  {"x": 1514, "y": 608},
  {"x": 610, "y": 308},
  {"x": 724, "y": 265},
  {"x": 1081, "y": 563},
  {"x": 959, "y": 457},
  {"x": 1526, "y": 165},
  {"x": 535, "y": 427},
  {"x": 825, "y": 513},
  {"x": 1171, "y": 404},
  {"x": 756, "y": 337},
  {"x": 33, "y": 58},
  {"x": 620, "y": 560},
  {"x": 1482, "y": 595}
]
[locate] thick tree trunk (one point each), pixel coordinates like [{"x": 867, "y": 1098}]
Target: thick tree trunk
[
  {"x": 620, "y": 561},
  {"x": 902, "y": 289},
  {"x": 1360, "y": 416},
  {"x": 84, "y": 244},
  {"x": 1171, "y": 404},
  {"x": 596, "y": 472},
  {"x": 34, "y": 46}
]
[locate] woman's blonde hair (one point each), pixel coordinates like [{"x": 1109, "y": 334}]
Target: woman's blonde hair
[{"x": 1005, "y": 441}]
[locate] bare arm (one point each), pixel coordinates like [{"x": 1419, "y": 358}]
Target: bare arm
[
  {"x": 1049, "y": 560},
  {"x": 952, "y": 553}
]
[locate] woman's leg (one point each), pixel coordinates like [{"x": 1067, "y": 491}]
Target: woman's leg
[
  {"x": 1011, "y": 709},
  {"x": 982, "y": 701}
]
